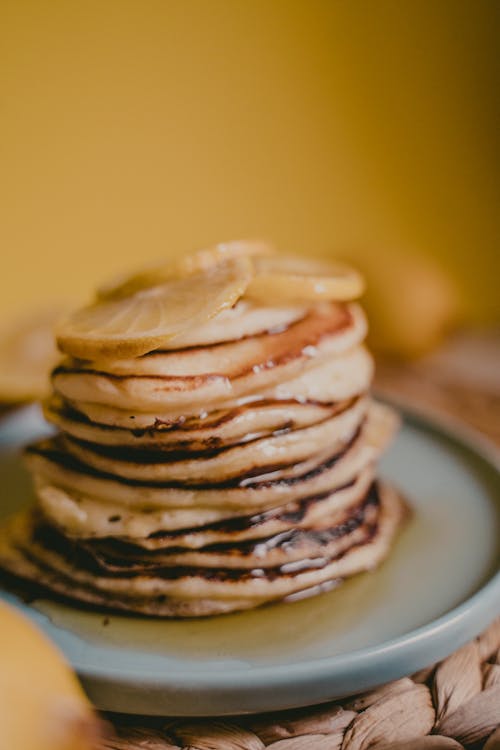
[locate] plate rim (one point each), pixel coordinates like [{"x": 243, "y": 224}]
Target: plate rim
[{"x": 459, "y": 624}]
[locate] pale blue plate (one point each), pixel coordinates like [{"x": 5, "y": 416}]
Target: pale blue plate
[{"x": 439, "y": 588}]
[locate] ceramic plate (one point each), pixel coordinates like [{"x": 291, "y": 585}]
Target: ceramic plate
[{"x": 439, "y": 588}]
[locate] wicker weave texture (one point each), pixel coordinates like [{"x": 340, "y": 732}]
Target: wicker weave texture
[{"x": 453, "y": 704}]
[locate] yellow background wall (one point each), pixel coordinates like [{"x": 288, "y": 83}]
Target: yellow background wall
[{"x": 131, "y": 129}]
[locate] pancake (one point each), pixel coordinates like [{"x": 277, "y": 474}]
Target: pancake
[
  {"x": 257, "y": 457},
  {"x": 321, "y": 386},
  {"x": 292, "y": 532},
  {"x": 83, "y": 516},
  {"x": 210, "y": 375},
  {"x": 85, "y": 503},
  {"x": 223, "y": 428},
  {"x": 244, "y": 319},
  {"x": 314, "y": 392},
  {"x": 190, "y": 591}
]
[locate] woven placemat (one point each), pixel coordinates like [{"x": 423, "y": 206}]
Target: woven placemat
[{"x": 453, "y": 704}]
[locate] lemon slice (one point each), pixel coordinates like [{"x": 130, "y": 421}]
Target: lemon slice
[
  {"x": 281, "y": 278},
  {"x": 201, "y": 260},
  {"x": 27, "y": 355},
  {"x": 134, "y": 325}
]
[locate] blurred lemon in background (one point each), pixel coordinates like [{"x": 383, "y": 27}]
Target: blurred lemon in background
[
  {"x": 133, "y": 131},
  {"x": 27, "y": 354},
  {"x": 412, "y": 303},
  {"x": 42, "y": 706}
]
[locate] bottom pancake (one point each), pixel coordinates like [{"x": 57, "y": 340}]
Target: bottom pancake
[{"x": 190, "y": 591}]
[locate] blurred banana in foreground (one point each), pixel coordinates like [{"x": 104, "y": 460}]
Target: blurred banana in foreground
[{"x": 42, "y": 706}]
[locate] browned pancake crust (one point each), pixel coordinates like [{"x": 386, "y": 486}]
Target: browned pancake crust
[{"x": 78, "y": 575}]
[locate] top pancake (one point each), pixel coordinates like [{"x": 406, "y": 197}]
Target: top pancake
[{"x": 192, "y": 379}]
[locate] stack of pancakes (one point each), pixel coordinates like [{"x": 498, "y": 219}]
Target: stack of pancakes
[{"x": 233, "y": 467}]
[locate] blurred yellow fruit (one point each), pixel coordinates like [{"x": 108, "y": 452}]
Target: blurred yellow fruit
[
  {"x": 411, "y": 302},
  {"x": 42, "y": 706},
  {"x": 27, "y": 354}
]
